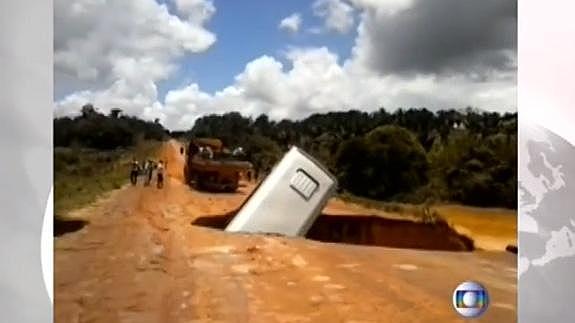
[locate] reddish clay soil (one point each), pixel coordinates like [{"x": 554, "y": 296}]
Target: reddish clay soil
[{"x": 139, "y": 259}]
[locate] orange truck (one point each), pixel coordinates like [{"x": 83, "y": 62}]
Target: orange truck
[{"x": 210, "y": 167}]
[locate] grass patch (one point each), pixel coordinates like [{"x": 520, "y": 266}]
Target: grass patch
[
  {"x": 422, "y": 212},
  {"x": 81, "y": 174}
]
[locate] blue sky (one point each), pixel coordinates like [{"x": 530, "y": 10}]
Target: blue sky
[
  {"x": 152, "y": 63},
  {"x": 245, "y": 31}
]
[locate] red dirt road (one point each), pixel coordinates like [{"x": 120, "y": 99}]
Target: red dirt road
[{"x": 140, "y": 260}]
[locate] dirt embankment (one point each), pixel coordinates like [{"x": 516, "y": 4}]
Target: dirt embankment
[{"x": 373, "y": 230}]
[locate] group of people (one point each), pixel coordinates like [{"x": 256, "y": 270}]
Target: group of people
[
  {"x": 206, "y": 152},
  {"x": 148, "y": 171}
]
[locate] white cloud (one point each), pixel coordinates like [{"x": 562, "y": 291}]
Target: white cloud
[
  {"x": 97, "y": 42},
  {"x": 291, "y": 23},
  {"x": 384, "y": 7},
  {"x": 121, "y": 68},
  {"x": 317, "y": 82},
  {"x": 197, "y": 11},
  {"x": 337, "y": 14},
  {"x": 132, "y": 96}
]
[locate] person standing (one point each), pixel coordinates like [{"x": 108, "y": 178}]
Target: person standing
[
  {"x": 134, "y": 172},
  {"x": 209, "y": 152},
  {"x": 149, "y": 172},
  {"x": 160, "y": 174}
]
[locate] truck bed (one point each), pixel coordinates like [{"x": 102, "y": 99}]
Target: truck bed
[{"x": 219, "y": 163}]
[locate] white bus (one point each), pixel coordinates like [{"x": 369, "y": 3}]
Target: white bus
[{"x": 289, "y": 200}]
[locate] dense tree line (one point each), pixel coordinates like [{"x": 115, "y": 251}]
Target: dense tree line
[
  {"x": 413, "y": 155},
  {"x": 93, "y": 129}
]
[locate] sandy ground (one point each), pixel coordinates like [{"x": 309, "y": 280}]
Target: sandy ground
[{"x": 140, "y": 260}]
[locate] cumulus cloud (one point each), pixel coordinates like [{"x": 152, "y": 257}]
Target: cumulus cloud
[
  {"x": 317, "y": 82},
  {"x": 99, "y": 42},
  {"x": 441, "y": 36},
  {"x": 291, "y": 23},
  {"x": 197, "y": 11},
  {"x": 337, "y": 14},
  {"x": 406, "y": 54},
  {"x": 389, "y": 7}
]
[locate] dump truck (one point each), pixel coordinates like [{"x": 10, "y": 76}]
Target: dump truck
[{"x": 211, "y": 167}]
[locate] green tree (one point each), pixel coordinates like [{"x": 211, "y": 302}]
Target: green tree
[
  {"x": 387, "y": 162},
  {"x": 263, "y": 152},
  {"x": 88, "y": 110},
  {"x": 115, "y": 113}
]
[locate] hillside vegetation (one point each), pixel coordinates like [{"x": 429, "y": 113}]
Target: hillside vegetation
[
  {"x": 414, "y": 156},
  {"x": 83, "y": 174},
  {"x": 92, "y": 155},
  {"x": 408, "y": 156}
]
